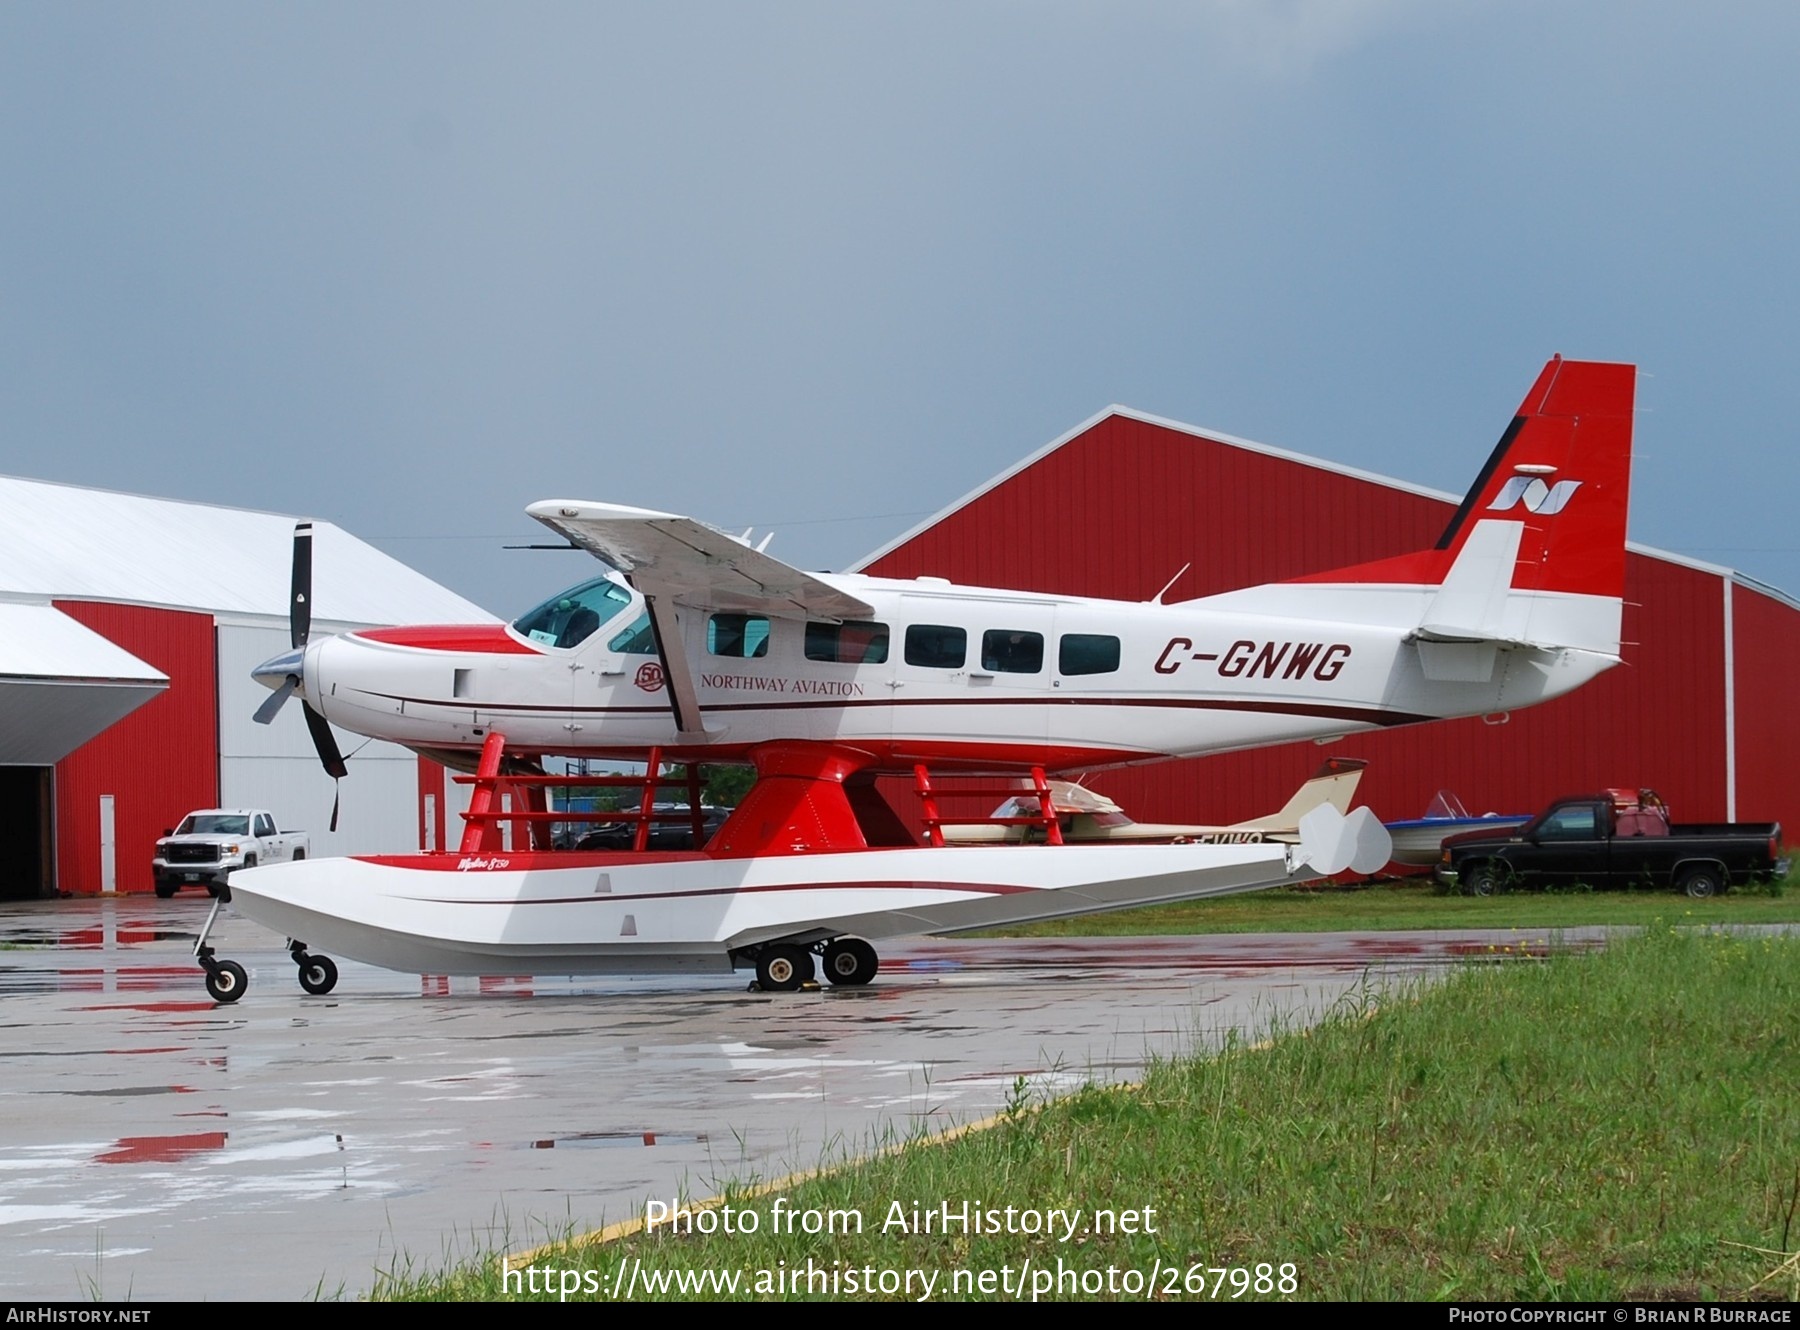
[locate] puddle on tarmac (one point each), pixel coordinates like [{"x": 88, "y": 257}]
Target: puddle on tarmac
[
  {"x": 87, "y": 939},
  {"x": 126, "y": 978},
  {"x": 156, "y": 1008}
]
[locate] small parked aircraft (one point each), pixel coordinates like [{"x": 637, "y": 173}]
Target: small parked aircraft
[
  {"x": 698, "y": 647},
  {"x": 1087, "y": 815}
]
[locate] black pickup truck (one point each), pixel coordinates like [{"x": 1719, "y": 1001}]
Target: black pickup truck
[{"x": 1617, "y": 838}]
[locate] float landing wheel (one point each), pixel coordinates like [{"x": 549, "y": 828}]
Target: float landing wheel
[
  {"x": 226, "y": 981},
  {"x": 318, "y": 974},
  {"x": 783, "y": 968},
  {"x": 850, "y": 961}
]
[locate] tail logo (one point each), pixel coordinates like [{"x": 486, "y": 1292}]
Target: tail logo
[{"x": 1544, "y": 500}]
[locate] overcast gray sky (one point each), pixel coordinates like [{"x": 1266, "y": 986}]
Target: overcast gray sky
[{"x": 825, "y": 267}]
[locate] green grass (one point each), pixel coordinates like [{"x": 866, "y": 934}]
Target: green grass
[
  {"x": 1617, "y": 1125},
  {"x": 1415, "y": 904}
]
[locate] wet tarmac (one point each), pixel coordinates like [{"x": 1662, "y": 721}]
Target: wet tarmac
[{"x": 158, "y": 1146}]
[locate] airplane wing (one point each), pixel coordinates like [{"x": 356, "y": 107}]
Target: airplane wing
[
  {"x": 695, "y": 565},
  {"x": 680, "y": 563}
]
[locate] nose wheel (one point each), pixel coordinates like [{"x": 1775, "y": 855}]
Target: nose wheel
[
  {"x": 318, "y": 974},
  {"x": 225, "y": 980}
]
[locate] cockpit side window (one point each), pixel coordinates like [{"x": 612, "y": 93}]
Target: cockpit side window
[
  {"x": 570, "y": 619},
  {"x": 637, "y": 640}
]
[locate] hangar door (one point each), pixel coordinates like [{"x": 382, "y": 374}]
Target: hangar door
[{"x": 27, "y": 804}]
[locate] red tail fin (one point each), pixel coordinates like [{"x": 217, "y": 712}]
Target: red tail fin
[{"x": 1562, "y": 470}]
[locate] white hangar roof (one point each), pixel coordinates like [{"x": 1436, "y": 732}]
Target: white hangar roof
[{"x": 68, "y": 542}]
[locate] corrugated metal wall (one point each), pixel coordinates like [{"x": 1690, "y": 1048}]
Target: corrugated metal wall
[
  {"x": 1119, "y": 509},
  {"x": 156, "y": 764},
  {"x": 1765, "y": 645}
]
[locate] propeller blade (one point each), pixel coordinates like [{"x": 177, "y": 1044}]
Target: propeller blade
[
  {"x": 300, "y": 601},
  {"x": 275, "y": 701},
  {"x": 326, "y": 745}
]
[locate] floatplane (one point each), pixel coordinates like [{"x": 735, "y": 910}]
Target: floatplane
[{"x": 694, "y": 646}]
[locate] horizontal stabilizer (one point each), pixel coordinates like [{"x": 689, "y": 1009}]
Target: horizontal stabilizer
[
  {"x": 1470, "y": 605},
  {"x": 1465, "y": 625}
]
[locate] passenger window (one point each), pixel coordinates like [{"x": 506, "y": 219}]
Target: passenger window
[
  {"x": 852, "y": 643},
  {"x": 1010, "y": 651},
  {"x": 265, "y": 825},
  {"x": 936, "y": 647},
  {"x": 740, "y": 636},
  {"x": 637, "y": 640},
  {"x": 1087, "y": 653}
]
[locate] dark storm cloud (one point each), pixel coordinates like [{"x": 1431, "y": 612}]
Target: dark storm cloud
[{"x": 410, "y": 267}]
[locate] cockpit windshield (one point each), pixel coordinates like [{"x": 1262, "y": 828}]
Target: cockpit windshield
[{"x": 571, "y": 618}]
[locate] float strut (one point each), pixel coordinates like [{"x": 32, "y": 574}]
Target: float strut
[{"x": 201, "y": 950}]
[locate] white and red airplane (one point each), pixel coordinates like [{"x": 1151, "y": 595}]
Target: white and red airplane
[{"x": 700, "y": 648}]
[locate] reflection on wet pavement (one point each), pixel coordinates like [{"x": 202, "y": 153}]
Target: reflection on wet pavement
[
  {"x": 161, "y": 1149},
  {"x": 160, "y": 1146}
]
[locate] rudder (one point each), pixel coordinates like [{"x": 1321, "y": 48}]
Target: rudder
[{"x": 1562, "y": 470}]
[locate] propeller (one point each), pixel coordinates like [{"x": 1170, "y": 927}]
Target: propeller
[
  {"x": 300, "y": 587},
  {"x": 277, "y": 699},
  {"x": 284, "y": 674}
]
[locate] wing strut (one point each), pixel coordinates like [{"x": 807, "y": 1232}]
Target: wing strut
[{"x": 684, "y": 702}]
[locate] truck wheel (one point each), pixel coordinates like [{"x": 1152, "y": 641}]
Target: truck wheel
[
  {"x": 1484, "y": 880},
  {"x": 299, "y": 855},
  {"x": 1701, "y": 882},
  {"x": 165, "y": 890}
]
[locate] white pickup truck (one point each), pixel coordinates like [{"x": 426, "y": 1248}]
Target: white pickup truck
[{"x": 211, "y": 842}]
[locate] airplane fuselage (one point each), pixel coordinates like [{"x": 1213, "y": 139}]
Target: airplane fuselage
[{"x": 952, "y": 676}]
